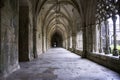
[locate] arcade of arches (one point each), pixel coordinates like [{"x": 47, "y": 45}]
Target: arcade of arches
[{"x": 28, "y": 28}]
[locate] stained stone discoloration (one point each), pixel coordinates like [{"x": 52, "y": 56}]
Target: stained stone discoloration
[
  {"x": 60, "y": 64},
  {"x": 8, "y": 37}
]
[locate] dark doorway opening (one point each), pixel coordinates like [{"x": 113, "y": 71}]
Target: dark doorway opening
[{"x": 56, "y": 40}]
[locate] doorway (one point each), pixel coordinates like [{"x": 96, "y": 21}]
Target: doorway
[{"x": 56, "y": 40}]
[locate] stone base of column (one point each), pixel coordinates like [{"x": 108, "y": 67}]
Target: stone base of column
[
  {"x": 84, "y": 54},
  {"x": 100, "y": 50},
  {"x": 115, "y": 52},
  {"x": 107, "y": 51}
]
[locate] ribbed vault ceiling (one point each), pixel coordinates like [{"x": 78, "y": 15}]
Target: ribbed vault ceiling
[
  {"x": 55, "y": 19},
  {"x": 64, "y": 20}
]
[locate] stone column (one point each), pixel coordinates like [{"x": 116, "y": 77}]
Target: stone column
[
  {"x": 90, "y": 39},
  {"x": 34, "y": 38},
  {"x": 0, "y": 41},
  {"x": 73, "y": 41},
  {"x": 115, "y": 51},
  {"x": 119, "y": 27},
  {"x": 84, "y": 42},
  {"x": 24, "y": 54},
  {"x": 68, "y": 42},
  {"x": 119, "y": 15},
  {"x": 107, "y": 51},
  {"x": 95, "y": 38},
  {"x": 100, "y": 27}
]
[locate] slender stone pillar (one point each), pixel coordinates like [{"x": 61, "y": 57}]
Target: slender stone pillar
[
  {"x": 107, "y": 51},
  {"x": 0, "y": 42},
  {"x": 84, "y": 54},
  {"x": 119, "y": 16},
  {"x": 68, "y": 42},
  {"x": 73, "y": 41},
  {"x": 119, "y": 26},
  {"x": 115, "y": 51},
  {"x": 34, "y": 38},
  {"x": 100, "y": 27}
]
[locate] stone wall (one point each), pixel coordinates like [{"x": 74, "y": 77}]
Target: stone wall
[
  {"x": 9, "y": 37},
  {"x": 23, "y": 33},
  {"x": 108, "y": 61},
  {"x": 76, "y": 51},
  {"x": 0, "y": 39}
]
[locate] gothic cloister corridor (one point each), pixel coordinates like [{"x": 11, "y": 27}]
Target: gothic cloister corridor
[
  {"x": 59, "y": 39},
  {"x": 60, "y": 64}
]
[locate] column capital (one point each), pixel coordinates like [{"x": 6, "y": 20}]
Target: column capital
[{"x": 114, "y": 18}]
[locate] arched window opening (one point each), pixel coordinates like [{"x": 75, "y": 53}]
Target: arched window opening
[
  {"x": 110, "y": 37},
  {"x": 111, "y": 31}
]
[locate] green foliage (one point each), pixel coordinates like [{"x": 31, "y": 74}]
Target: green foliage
[{"x": 118, "y": 48}]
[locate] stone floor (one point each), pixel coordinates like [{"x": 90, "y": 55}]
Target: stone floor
[{"x": 60, "y": 64}]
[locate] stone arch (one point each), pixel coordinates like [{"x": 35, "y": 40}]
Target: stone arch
[
  {"x": 74, "y": 3},
  {"x": 46, "y": 13},
  {"x": 59, "y": 30},
  {"x": 56, "y": 40}
]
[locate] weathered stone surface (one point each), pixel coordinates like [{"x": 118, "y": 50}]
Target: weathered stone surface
[
  {"x": 30, "y": 32},
  {"x": 26, "y": 31},
  {"x": 60, "y": 64},
  {"x": 39, "y": 20},
  {"x": 23, "y": 33},
  {"x": 9, "y": 37},
  {"x": 0, "y": 41},
  {"x": 108, "y": 61}
]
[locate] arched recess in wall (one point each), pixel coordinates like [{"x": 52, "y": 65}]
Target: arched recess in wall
[
  {"x": 61, "y": 33},
  {"x": 56, "y": 40},
  {"x": 50, "y": 19},
  {"x": 63, "y": 26}
]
